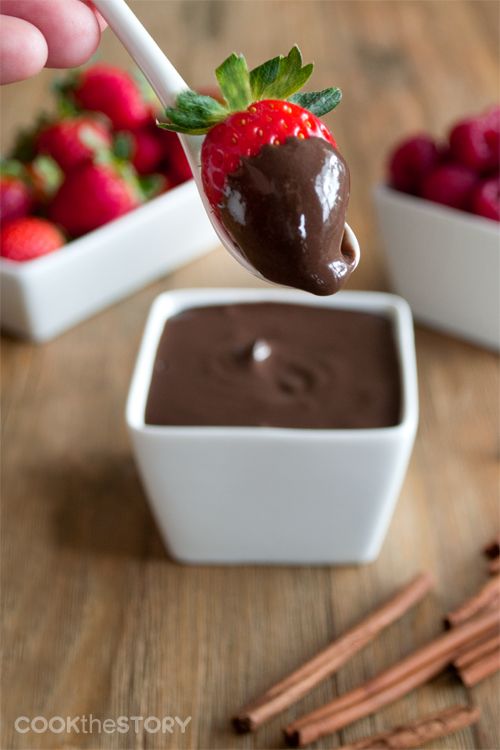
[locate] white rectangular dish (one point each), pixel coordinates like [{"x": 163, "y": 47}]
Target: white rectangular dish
[
  {"x": 445, "y": 262},
  {"x": 42, "y": 298},
  {"x": 266, "y": 494}
]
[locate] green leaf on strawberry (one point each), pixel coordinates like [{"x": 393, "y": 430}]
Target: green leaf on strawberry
[
  {"x": 46, "y": 175},
  {"x": 234, "y": 81},
  {"x": 264, "y": 76},
  {"x": 318, "y": 102},
  {"x": 194, "y": 113},
  {"x": 13, "y": 168},
  {"x": 277, "y": 79},
  {"x": 151, "y": 185},
  {"x": 281, "y": 79},
  {"x": 123, "y": 146}
]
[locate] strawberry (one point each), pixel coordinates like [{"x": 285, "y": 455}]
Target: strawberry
[
  {"x": 267, "y": 122},
  {"x": 177, "y": 165},
  {"x": 16, "y": 199},
  {"x": 107, "y": 89},
  {"x": 73, "y": 141},
  {"x": 143, "y": 148},
  {"x": 271, "y": 171},
  {"x": 93, "y": 195},
  {"x": 261, "y": 108},
  {"x": 29, "y": 238},
  {"x": 45, "y": 178}
]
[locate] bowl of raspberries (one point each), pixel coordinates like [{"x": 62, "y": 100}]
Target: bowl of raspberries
[
  {"x": 439, "y": 216},
  {"x": 95, "y": 202}
]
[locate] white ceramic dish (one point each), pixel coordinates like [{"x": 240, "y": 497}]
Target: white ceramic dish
[
  {"x": 446, "y": 263},
  {"x": 42, "y": 298},
  {"x": 272, "y": 495}
]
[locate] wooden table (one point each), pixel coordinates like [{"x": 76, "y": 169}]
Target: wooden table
[{"x": 97, "y": 619}]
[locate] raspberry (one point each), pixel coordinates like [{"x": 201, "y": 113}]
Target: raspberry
[
  {"x": 451, "y": 185},
  {"x": 471, "y": 145},
  {"x": 411, "y": 161},
  {"x": 486, "y": 199},
  {"x": 492, "y": 133}
]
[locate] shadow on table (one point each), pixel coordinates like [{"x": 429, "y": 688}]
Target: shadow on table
[{"x": 101, "y": 508}]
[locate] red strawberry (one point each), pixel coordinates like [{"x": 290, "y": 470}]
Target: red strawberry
[
  {"x": 29, "y": 238},
  {"x": 45, "y": 178},
  {"x": 268, "y": 122},
  {"x": 486, "y": 199},
  {"x": 91, "y": 196},
  {"x": 267, "y": 155},
  {"x": 15, "y": 194},
  {"x": 411, "y": 161},
  {"x": 72, "y": 142},
  {"x": 451, "y": 185},
  {"x": 177, "y": 165},
  {"x": 261, "y": 109},
  {"x": 143, "y": 148},
  {"x": 107, "y": 89}
]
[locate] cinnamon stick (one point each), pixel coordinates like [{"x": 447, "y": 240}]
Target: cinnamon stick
[
  {"x": 470, "y": 655},
  {"x": 480, "y": 669},
  {"x": 419, "y": 732},
  {"x": 391, "y": 684},
  {"x": 313, "y": 726},
  {"x": 492, "y": 549},
  {"x": 326, "y": 662},
  {"x": 487, "y": 597}
]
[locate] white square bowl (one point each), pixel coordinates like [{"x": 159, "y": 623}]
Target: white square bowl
[
  {"x": 42, "y": 298},
  {"x": 273, "y": 495},
  {"x": 445, "y": 262}
]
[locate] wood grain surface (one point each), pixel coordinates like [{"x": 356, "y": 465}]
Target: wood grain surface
[{"x": 96, "y": 618}]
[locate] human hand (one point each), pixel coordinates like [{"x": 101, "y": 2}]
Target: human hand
[{"x": 45, "y": 33}]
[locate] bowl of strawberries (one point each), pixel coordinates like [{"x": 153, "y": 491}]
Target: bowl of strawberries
[
  {"x": 95, "y": 202},
  {"x": 439, "y": 216}
]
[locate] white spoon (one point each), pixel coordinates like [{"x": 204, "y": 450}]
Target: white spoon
[{"x": 167, "y": 84}]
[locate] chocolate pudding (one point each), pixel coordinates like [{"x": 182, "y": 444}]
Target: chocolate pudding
[
  {"x": 275, "y": 365},
  {"x": 284, "y": 210}
]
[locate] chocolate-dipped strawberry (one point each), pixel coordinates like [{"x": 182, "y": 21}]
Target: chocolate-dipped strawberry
[{"x": 271, "y": 171}]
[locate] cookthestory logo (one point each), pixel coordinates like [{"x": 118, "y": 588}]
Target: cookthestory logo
[{"x": 89, "y": 724}]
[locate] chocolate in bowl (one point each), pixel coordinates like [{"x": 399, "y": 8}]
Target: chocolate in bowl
[
  {"x": 284, "y": 211},
  {"x": 275, "y": 365}
]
